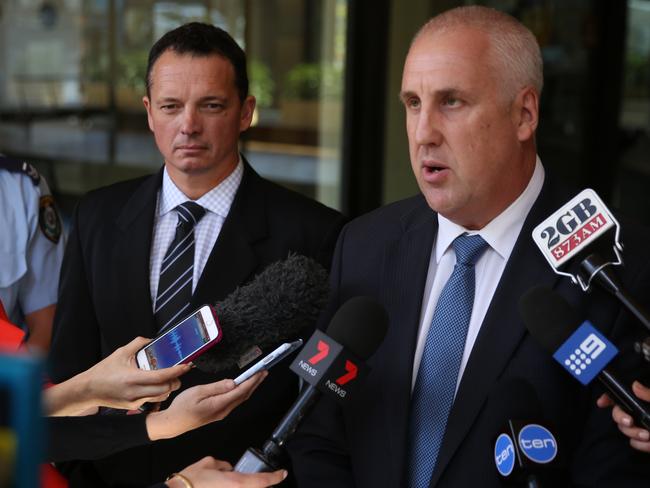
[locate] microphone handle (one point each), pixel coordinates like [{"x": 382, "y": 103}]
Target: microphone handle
[
  {"x": 532, "y": 482},
  {"x": 625, "y": 398},
  {"x": 298, "y": 410},
  {"x": 634, "y": 307},
  {"x": 594, "y": 266}
]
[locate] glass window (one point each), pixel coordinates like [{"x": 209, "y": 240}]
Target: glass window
[{"x": 71, "y": 87}]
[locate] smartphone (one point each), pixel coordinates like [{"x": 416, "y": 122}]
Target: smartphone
[
  {"x": 270, "y": 360},
  {"x": 183, "y": 342}
]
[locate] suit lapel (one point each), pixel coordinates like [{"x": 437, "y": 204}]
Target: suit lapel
[
  {"x": 405, "y": 269},
  {"x": 233, "y": 258},
  {"x": 501, "y": 332},
  {"x": 133, "y": 247}
]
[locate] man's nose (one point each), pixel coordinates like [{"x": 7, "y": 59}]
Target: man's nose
[
  {"x": 427, "y": 130},
  {"x": 191, "y": 123}
]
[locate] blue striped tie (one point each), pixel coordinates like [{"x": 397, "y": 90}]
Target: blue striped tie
[
  {"x": 435, "y": 385},
  {"x": 177, "y": 268}
]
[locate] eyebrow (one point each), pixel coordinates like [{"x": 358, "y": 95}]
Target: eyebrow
[
  {"x": 442, "y": 93},
  {"x": 405, "y": 95},
  {"x": 209, "y": 98}
]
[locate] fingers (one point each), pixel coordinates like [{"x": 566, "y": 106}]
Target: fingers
[
  {"x": 135, "y": 345},
  {"x": 604, "y": 401},
  {"x": 626, "y": 425},
  {"x": 138, "y": 394},
  {"x": 166, "y": 375},
  {"x": 639, "y": 445},
  {"x": 249, "y": 386},
  {"x": 243, "y": 392},
  {"x": 260, "y": 480},
  {"x": 641, "y": 391}
]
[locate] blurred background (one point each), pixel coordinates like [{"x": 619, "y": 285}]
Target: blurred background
[{"x": 326, "y": 74}]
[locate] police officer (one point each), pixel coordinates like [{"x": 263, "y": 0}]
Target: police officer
[{"x": 31, "y": 250}]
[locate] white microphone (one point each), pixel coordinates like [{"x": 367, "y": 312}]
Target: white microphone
[{"x": 581, "y": 241}]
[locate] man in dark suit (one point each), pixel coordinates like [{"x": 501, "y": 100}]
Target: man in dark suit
[
  {"x": 115, "y": 282},
  {"x": 425, "y": 415}
]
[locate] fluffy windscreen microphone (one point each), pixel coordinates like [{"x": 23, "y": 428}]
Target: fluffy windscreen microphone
[{"x": 275, "y": 306}]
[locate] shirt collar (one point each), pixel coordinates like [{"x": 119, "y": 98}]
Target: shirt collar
[
  {"x": 218, "y": 200},
  {"x": 501, "y": 232}
]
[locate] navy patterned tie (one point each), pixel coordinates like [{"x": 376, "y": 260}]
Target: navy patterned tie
[
  {"x": 177, "y": 268},
  {"x": 435, "y": 384}
]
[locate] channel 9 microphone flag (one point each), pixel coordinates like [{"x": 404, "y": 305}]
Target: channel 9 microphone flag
[
  {"x": 577, "y": 346},
  {"x": 581, "y": 240}
]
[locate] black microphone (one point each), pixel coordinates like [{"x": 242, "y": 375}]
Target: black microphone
[
  {"x": 525, "y": 450},
  {"x": 354, "y": 334},
  {"x": 578, "y": 346},
  {"x": 275, "y": 306},
  {"x": 581, "y": 241}
]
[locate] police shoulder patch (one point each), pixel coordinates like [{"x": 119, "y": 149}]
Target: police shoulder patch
[{"x": 48, "y": 219}]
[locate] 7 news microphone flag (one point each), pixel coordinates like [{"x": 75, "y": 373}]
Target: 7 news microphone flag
[{"x": 332, "y": 364}]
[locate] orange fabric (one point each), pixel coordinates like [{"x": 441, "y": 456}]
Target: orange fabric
[
  {"x": 51, "y": 478},
  {"x": 11, "y": 337}
]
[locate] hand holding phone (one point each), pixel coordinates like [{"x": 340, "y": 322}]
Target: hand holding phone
[
  {"x": 183, "y": 342},
  {"x": 270, "y": 360}
]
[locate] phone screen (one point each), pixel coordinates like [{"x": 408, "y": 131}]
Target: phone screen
[{"x": 177, "y": 344}]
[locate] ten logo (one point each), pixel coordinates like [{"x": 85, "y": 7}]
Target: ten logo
[
  {"x": 537, "y": 443},
  {"x": 504, "y": 454}
]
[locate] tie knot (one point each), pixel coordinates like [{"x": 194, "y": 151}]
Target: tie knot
[
  {"x": 189, "y": 214},
  {"x": 469, "y": 249}
]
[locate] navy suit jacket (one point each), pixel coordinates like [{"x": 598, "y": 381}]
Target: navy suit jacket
[
  {"x": 105, "y": 301},
  {"x": 385, "y": 254}
]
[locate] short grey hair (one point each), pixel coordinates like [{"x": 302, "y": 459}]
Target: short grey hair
[{"x": 515, "y": 51}]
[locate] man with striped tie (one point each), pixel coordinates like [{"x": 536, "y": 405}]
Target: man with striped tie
[{"x": 144, "y": 253}]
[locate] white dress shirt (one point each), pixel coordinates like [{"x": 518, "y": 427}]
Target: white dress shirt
[
  {"x": 500, "y": 234},
  {"x": 217, "y": 203}
]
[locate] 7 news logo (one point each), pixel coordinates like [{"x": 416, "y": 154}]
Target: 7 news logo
[
  {"x": 585, "y": 353},
  {"x": 351, "y": 369}
]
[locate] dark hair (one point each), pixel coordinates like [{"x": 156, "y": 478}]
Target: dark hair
[{"x": 200, "y": 39}]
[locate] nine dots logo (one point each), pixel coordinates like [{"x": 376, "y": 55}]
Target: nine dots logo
[
  {"x": 577, "y": 362},
  {"x": 585, "y": 353}
]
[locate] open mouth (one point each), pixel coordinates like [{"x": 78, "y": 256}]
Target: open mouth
[{"x": 433, "y": 168}]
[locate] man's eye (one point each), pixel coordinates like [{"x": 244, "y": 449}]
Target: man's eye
[
  {"x": 214, "y": 106},
  {"x": 451, "y": 102},
  {"x": 413, "y": 103},
  {"x": 168, "y": 107}
]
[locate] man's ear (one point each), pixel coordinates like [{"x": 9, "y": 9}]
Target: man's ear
[
  {"x": 526, "y": 113},
  {"x": 247, "y": 110},
  {"x": 147, "y": 105}
]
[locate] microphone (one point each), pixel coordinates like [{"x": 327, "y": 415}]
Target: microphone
[
  {"x": 579, "y": 347},
  {"x": 525, "y": 451},
  {"x": 581, "y": 241},
  {"x": 276, "y": 305},
  {"x": 354, "y": 334}
]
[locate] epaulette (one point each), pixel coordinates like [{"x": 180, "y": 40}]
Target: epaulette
[{"x": 18, "y": 166}]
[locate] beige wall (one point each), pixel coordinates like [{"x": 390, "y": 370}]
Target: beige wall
[
  {"x": 398, "y": 178},
  {"x": 406, "y": 19}
]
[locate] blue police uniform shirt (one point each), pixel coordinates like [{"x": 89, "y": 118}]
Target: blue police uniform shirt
[{"x": 31, "y": 241}]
